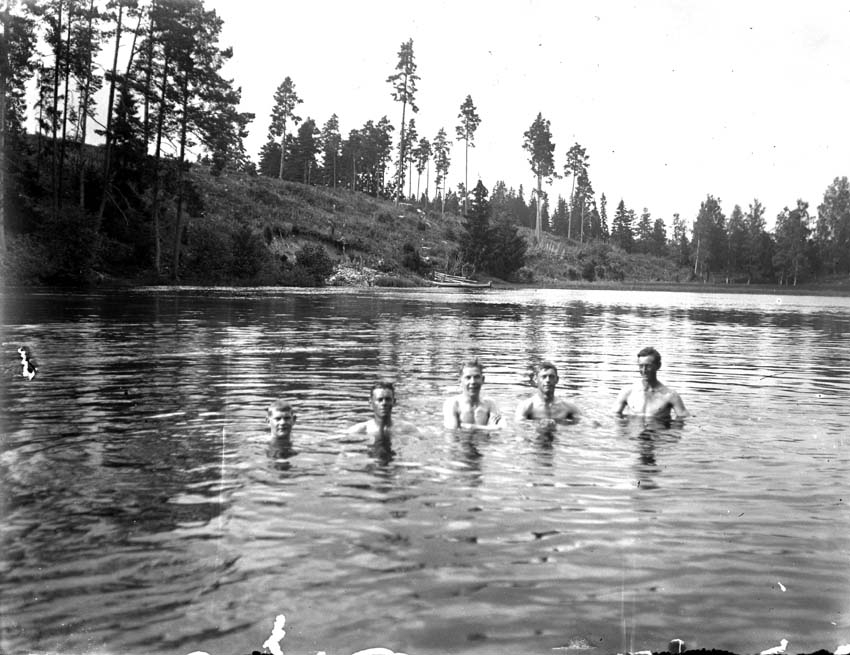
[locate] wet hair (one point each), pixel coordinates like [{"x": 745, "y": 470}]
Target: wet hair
[
  {"x": 280, "y": 405},
  {"x": 649, "y": 350},
  {"x": 472, "y": 363},
  {"x": 543, "y": 366},
  {"x": 381, "y": 384}
]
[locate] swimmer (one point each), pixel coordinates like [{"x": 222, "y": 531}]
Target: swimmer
[
  {"x": 648, "y": 397},
  {"x": 468, "y": 409},
  {"x": 280, "y": 418},
  {"x": 382, "y": 400},
  {"x": 544, "y": 405}
]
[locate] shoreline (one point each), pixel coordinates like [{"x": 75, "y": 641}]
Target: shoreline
[{"x": 830, "y": 290}]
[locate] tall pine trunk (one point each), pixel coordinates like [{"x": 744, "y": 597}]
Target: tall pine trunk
[
  {"x": 156, "y": 169},
  {"x": 282, "y": 151},
  {"x": 107, "y": 173},
  {"x": 466, "y": 176},
  {"x": 65, "y": 103},
  {"x": 427, "y": 182},
  {"x": 55, "y": 115},
  {"x": 538, "y": 228},
  {"x": 84, "y": 114},
  {"x": 400, "y": 181},
  {"x": 178, "y": 222}
]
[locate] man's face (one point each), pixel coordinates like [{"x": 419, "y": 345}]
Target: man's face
[
  {"x": 648, "y": 367},
  {"x": 547, "y": 380},
  {"x": 383, "y": 401},
  {"x": 471, "y": 379},
  {"x": 280, "y": 422}
]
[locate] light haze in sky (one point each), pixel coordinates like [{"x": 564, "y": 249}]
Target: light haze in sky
[{"x": 672, "y": 100}]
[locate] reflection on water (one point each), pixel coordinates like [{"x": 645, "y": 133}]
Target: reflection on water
[{"x": 145, "y": 511}]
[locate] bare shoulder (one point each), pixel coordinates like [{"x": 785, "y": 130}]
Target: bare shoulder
[
  {"x": 524, "y": 407},
  {"x": 358, "y": 428},
  {"x": 405, "y": 426},
  {"x": 568, "y": 407},
  {"x": 450, "y": 403}
]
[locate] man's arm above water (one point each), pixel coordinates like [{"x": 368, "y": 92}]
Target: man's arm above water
[
  {"x": 622, "y": 401},
  {"x": 678, "y": 405}
]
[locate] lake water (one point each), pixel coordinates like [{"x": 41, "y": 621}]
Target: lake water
[{"x": 143, "y": 512}]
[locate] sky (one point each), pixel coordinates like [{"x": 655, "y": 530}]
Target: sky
[{"x": 673, "y": 100}]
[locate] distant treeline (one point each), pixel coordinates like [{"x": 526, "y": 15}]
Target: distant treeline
[{"x": 125, "y": 206}]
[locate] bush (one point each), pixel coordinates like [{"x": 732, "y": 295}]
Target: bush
[
  {"x": 208, "y": 255},
  {"x": 315, "y": 264},
  {"x": 392, "y": 281},
  {"x": 72, "y": 243},
  {"x": 249, "y": 254},
  {"x": 524, "y": 275},
  {"x": 411, "y": 260},
  {"x": 25, "y": 261}
]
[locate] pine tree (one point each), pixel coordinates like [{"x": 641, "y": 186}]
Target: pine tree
[
  {"x": 404, "y": 91},
  {"x": 469, "y": 122},
  {"x": 576, "y": 166},
  {"x": 474, "y": 241},
  {"x": 643, "y": 241},
  {"x": 541, "y": 151},
  {"x": 621, "y": 230},
  {"x": 833, "y": 227},
  {"x": 441, "y": 166},
  {"x": 331, "y": 144},
  {"x": 603, "y": 218},
  {"x": 285, "y": 102},
  {"x": 17, "y": 67},
  {"x": 709, "y": 237},
  {"x": 411, "y": 135},
  {"x": 422, "y": 156},
  {"x": 792, "y": 235}
]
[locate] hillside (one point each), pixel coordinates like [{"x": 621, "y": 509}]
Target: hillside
[
  {"x": 375, "y": 241},
  {"x": 241, "y": 229}
]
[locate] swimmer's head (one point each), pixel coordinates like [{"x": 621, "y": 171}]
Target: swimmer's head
[
  {"x": 280, "y": 417},
  {"x": 382, "y": 385},
  {"x": 471, "y": 377},
  {"x": 473, "y": 363},
  {"x": 545, "y": 366},
  {"x": 546, "y": 377},
  {"x": 649, "y": 351},
  {"x": 382, "y": 399}
]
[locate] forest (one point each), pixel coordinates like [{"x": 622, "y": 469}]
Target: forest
[{"x": 121, "y": 187}]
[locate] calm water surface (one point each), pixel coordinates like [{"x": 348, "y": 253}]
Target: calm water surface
[{"x": 143, "y": 511}]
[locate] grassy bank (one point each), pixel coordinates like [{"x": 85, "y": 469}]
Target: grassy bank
[{"x": 241, "y": 229}]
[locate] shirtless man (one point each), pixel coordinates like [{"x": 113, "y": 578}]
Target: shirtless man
[
  {"x": 649, "y": 397},
  {"x": 382, "y": 401},
  {"x": 468, "y": 409},
  {"x": 543, "y": 405},
  {"x": 280, "y": 418}
]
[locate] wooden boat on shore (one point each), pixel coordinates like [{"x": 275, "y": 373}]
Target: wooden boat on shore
[{"x": 458, "y": 281}]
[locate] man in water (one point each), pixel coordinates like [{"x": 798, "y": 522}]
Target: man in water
[
  {"x": 280, "y": 418},
  {"x": 544, "y": 405},
  {"x": 469, "y": 409},
  {"x": 382, "y": 400},
  {"x": 648, "y": 397}
]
